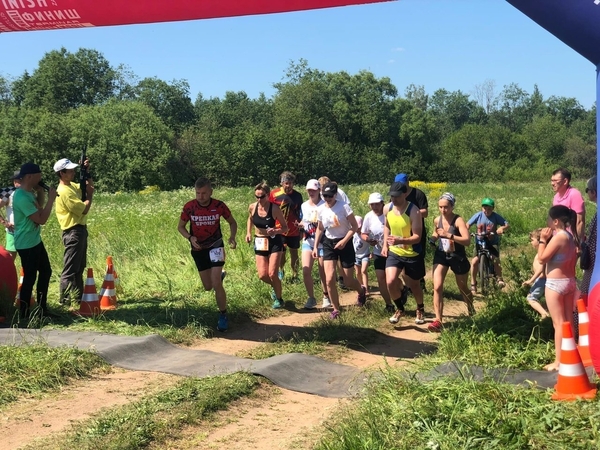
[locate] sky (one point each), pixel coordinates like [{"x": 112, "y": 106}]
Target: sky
[{"x": 449, "y": 44}]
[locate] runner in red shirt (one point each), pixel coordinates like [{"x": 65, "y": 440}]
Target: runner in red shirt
[
  {"x": 290, "y": 202},
  {"x": 204, "y": 215}
]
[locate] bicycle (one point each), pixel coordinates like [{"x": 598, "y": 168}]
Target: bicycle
[{"x": 487, "y": 271}]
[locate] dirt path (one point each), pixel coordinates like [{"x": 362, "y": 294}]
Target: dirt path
[{"x": 274, "y": 419}]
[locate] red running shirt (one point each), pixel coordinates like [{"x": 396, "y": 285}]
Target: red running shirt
[
  {"x": 206, "y": 221},
  {"x": 291, "y": 207}
]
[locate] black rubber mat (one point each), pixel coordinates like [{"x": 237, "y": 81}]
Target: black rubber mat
[{"x": 294, "y": 371}]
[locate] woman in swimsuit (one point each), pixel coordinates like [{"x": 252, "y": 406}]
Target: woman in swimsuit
[
  {"x": 559, "y": 253},
  {"x": 268, "y": 246}
]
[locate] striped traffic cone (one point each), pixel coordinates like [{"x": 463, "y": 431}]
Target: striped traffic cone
[
  {"x": 90, "y": 305},
  {"x": 18, "y": 297},
  {"x": 108, "y": 300},
  {"x": 109, "y": 262},
  {"x": 573, "y": 382},
  {"x": 583, "y": 345}
]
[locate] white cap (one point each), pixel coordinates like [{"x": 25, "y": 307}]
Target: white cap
[
  {"x": 313, "y": 184},
  {"x": 375, "y": 197},
  {"x": 63, "y": 164}
]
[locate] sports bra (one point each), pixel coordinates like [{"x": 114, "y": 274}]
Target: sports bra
[
  {"x": 561, "y": 257},
  {"x": 263, "y": 222}
]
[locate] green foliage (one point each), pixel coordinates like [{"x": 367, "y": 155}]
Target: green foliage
[
  {"x": 37, "y": 368},
  {"x": 156, "y": 418},
  {"x": 355, "y": 128}
]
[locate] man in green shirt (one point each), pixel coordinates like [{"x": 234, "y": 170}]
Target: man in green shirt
[
  {"x": 28, "y": 217},
  {"x": 71, "y": 213}
]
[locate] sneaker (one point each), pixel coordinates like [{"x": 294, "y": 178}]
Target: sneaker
[
  {"x": 420, "y": 318},
  {"x": 326, "y": 303},
  {"x": 273, "y": 295},
  {"x": 362, "y": 297},
  {"x": 280, "y": 274},
  {"x": 311, "y": 303},
  {"x": 391, "y": 309},
  {"x": 501, "y": 283},
  {"x": 223, "y": 275},
  {"x": 396, "y": 317},
  {"x": 278, "y": 303},
  {"x": 223, "y": 323},
  {"x": 334, "y": 314},
  {"x": 435, "y": 326}
]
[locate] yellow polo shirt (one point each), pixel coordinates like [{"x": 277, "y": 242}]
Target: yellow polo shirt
[{"x": 69, "y": 207}]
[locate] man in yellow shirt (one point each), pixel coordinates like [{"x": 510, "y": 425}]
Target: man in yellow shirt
[{"x": 71, "y": 213}]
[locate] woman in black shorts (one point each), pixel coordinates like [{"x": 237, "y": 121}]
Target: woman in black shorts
[
  {"x": 268, "y": 245},
  {"x": 450, "y": 236}
]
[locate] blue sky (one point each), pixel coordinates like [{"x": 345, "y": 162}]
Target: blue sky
[{"x": 451, "y": 44}]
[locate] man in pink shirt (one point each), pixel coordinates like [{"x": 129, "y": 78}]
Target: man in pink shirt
[{"x": 568, "y": 196}]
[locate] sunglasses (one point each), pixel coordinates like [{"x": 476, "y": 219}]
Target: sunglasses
[
  {"x": 260, "y": 197},
  {"x": 327, "y": 196}
]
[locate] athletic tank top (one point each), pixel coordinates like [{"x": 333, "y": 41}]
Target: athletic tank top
[
  {"x": 400, "y": 226},
  {"x": 263, "y": 222},
  {"x": 458, "y": 248}
]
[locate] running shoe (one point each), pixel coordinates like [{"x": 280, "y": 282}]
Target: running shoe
[
  {"x": 420, "y": 317},
  {"x": 435, "y": 326},
  {"x": 396, "y": 317},
  {"x": 278, "y": 303},
  {"x": 391, "y": 309},
  {"x": 223, "y": 323},
  {"x": 273, "y": 295},
  {"x": 280, "y": 274},
  {"x": 326, "y": 303},
  {"x": 334, "y": 314},
  {"x": 362, "y": 297},
  {"x": 311, "y": 303},
  {"x": 223, "y": 275}
]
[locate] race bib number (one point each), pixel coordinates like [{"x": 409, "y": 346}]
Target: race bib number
[
  {"x": 261, "y": 244},
  {"x": 217, "y": 254},
  {"x": 447, "y": 245}
]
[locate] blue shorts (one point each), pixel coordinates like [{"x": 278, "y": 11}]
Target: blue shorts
[
  {"x": 537, "y": 289},
  {"x": 359, "y": 260},
  {"x": 306, "y": 247}
]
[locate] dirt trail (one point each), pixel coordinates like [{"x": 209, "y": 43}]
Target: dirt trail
[{"x": 275, "y": 419}]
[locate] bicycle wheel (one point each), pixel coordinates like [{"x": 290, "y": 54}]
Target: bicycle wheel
[{"x": 484, "y": 274}]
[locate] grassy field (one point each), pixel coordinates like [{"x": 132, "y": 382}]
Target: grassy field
[{"x": 161, "y": 293}]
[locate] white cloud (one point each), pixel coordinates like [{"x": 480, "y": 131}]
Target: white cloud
[
  {"x": 398, "y": 49},
  {"x": 391, "y": 61}
]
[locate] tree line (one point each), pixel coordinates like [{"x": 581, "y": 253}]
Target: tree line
[{"x": 353, "y": 128}]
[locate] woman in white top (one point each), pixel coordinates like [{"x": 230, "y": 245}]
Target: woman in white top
[
  {"x": 309, "y": 226},
  {"x": 338, "y": 225}
]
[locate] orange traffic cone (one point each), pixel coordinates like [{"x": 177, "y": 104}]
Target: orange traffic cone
[
  {"x": 109, "y": 262},
  {"x": 18, "y": 298},
  {"x": 584, "y": 340},
  {"x": 573, "y": 382},
  {"x": 109, "y": 297},
  {"x": 90, "y": 305}
]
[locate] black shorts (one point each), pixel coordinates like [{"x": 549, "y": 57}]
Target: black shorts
[
  {"x": 346, "y": 255},
  {"x": 291, "y": 241},
  {"x": 275, "y": 245},
  {"x": 414, "y": 268},
  {"x": 208, "y": 258},
  {"x": 379, "y": 262},
  {"x": 459, "y": 264}
]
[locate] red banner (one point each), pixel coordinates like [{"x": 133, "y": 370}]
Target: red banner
[{"x": 30, "y": 15}]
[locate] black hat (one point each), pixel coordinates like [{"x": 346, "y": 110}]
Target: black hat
[
  {"x": 16, "y": 175},
  {"x": 28, "y": 169},
  {"x": 397, "y": 188},
  {"x": 330, "y": 189}
]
